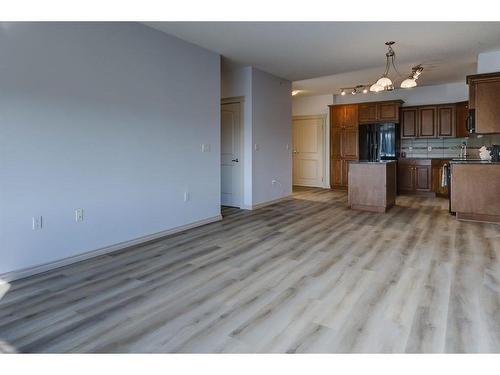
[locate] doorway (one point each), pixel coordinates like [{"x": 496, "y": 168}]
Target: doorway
[
  {"x": 231, "y": 155},
  {"x": 308, "y": 137}
]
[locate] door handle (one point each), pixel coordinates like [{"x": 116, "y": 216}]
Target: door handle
[
  {"x": 235, "y": 160},
  {"x": 295, "y": 152}
]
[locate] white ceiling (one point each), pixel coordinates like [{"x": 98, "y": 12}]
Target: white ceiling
[{"x": 322, "y": 57}]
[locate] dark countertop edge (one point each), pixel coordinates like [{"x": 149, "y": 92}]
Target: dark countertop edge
[
  {"x": 482, "y": 162},
  {"x": 442, "y": 158},
  {"x": 382, "y": 162}
]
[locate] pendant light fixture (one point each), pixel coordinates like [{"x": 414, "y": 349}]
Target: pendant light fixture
[
  {"x": 385, "y": 83},
  {"x": 411, "y": 81}
]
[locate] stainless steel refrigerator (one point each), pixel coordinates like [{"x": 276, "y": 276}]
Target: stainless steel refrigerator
[{"x": 378, "y": 142}]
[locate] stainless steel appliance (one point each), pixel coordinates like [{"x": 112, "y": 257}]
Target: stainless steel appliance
[{"x": 378, "y": 142}]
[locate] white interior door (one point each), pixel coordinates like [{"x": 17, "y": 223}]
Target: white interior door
[
  {"x": 230, "y": 155},
  {"x": 308, "y": 139}
]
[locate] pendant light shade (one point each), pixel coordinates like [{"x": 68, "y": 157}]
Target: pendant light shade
[
  {"x": 376, "y": 88},
  {"x": 384, "y": 81},
  {"x": 408, "y": 83}
]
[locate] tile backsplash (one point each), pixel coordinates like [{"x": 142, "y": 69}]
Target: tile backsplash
[{"x": 446, "y": 147}]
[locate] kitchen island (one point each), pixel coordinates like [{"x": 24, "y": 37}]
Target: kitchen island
[
  {"x": 372, "y": 185},
  {"x": 475, "y": 190}
]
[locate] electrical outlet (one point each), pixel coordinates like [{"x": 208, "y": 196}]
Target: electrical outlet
[
  {"x": 256, "y": 147},
  {"x": 205, "y": 147},
  {"x": 187, "y": 196},
  {"x": 429, "y": 148},
  {"x": 37, "y": 222},
  {"x": 79, "y": 214}
]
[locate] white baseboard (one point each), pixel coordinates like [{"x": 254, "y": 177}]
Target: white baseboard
[
  {"x": 263, "y": 204},
  {"x": 26, "y": 272}
]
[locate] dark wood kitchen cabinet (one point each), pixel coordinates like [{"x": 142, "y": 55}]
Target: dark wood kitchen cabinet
[
  {"x": 484, "y": 98},
  {"x": 423, "y": 178},
  {"x": 437, "y": 173},
  {"x": 427, "y": 122},
  {"x": 349, "y": 144},
  {"x": 430, "y": 121},
  {"x": 377, "y": 112},
  {"x": 462, "y": 112},
  {"x": 409, "y": 122},
  {"x": 367, "y": 113},
  {"x": 405, "y": 176},
  {"x": 446, "y": 121},
  {"x": 343, "y": 142},
  {"x": 414, "y": 176}
]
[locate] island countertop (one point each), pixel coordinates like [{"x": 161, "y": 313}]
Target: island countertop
[{"x": 372, "y": 162}]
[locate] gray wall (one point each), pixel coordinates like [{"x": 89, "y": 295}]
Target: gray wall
[
  {"x": 108, "y": 117},
  {"x": 267, "y": 132},
  {"x": 272, "y": 132}
]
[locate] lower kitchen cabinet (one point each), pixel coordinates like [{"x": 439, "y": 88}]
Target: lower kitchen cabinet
[
  {"x": 414, "y": 176},
  {"x": 437, "y": 174},
  {"x": 423, "y": 178},
  {"x": 340, "y": 173}
]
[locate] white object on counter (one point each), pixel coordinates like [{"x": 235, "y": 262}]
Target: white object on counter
[{"x": 484, "y": 154}]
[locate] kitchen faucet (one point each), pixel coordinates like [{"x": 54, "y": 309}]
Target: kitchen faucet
[{"x": 463, "y": 150}]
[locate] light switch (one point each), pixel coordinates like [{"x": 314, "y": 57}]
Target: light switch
[
  {"x": 79, "y": 214},
  {"x": 205, "y": 147},
  {"x": 37, "y": 222}
]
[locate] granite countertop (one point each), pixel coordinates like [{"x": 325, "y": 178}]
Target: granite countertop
[
  {"x": 475, "y": 161},
  {"x": 372, "y": 162},
  {"x": 426, "y": 158}
]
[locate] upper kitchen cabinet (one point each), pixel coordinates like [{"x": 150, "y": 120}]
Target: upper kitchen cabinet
[
  {"x": 484, "y": 98},
  {"x": 409, "y": 122},
  {"x": 367, "y": 113},
  {"x": 427, "y": 122},
  {"x": 344, "y": 116},
  {"x": 446, "y": 120},
  {"x": 377, "y": 112},
  {"x": 462, "y": 112},
  {"x": 430, "y": 121}
]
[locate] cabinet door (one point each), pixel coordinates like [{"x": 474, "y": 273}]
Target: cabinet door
[
  {"x": 367, "y": 112},
  {"x": 351, "y": 116},
  {"x": 388, "y": 112},
  {"x": 337, "y": 115},
  {"x": 336, "y": 173},
  {"x": 409, "y": 124},
  {"x": 446, "y": 121},
  {"x": 345, "y": 173},
  {"x": 423, "y": 178},
  {"x": 427, "y": 118},
  {"x": 349, "y": 148},
  {"x": 462, "y": 111},
  {"x": 336, "y": 143},
  {"x": 405, "y": 177},
  {"x": 486, "y": 97}
]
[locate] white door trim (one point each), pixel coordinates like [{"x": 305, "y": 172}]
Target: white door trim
[
  {"x": 241, "y": 101},
  {"x": 326, "y": 143}
]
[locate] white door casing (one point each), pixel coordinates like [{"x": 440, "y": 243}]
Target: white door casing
[
  {"x": 231, "y": 163},
  {"x": 308, "y": 151}
]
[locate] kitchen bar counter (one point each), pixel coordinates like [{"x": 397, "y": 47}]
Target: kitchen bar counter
[
  {"x": 372, "y": 185},
  {"x": 475, "y": 190}
]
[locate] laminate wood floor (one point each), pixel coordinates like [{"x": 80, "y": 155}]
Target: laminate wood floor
[{"x": 302, "y": 275}]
